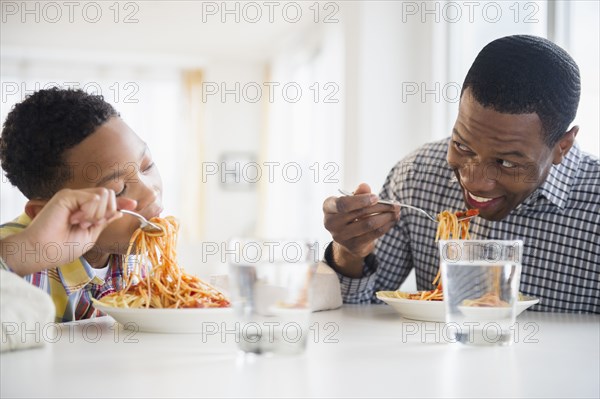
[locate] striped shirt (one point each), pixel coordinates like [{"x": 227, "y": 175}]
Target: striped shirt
[
  {"x": 71, "y": 286},
  {"x": 559, "y": 223}
]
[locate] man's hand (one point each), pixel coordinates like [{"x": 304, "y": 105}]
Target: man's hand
[
  {"x": 69, "y": 222},
  {"x": 355, "y": 223}
]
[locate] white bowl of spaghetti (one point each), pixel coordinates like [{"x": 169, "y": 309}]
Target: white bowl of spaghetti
[
  {"x": 157, "y": 295},
  {"x": 190, "y": 320},
  {"x": 415, "y": 309}
]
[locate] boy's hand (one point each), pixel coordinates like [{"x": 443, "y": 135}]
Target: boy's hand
[
  {"x": 69, "y": 222},
  {"x": 355, "y": 223}
]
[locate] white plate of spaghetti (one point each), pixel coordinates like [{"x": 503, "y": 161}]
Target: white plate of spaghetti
[
  {"x": 157, "y": 295},
  {"x": 415, "y": 309},
  {"x": 190, "y": 320},
  {"x": 429, "y": 305}
]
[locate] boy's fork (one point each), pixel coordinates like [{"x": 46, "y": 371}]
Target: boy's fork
[{"x": 145, "y": 224}]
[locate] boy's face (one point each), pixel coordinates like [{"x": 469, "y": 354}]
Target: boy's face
[{"x": 116, "y": 158}]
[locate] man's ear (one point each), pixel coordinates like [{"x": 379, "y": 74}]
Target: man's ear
[
  {"x": 34, "y": 206},
  {"x": 564, "y": 145}
]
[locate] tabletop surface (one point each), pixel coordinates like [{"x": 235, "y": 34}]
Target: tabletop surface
[{"x": 355, "y": 351}]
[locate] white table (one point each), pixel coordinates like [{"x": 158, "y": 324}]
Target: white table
[{"x": 364, "y": 351}]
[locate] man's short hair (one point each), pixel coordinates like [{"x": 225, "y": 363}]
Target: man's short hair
[
  {"x": 527, "y": 74},
  {"x": 39, "y": 130}
]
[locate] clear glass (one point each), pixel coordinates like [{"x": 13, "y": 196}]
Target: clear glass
[
  {"x": 480, "y": 280},
  {"x": 270, "y": 284}
]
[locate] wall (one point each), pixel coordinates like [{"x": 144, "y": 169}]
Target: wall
[{"x": 383, "y": 122}]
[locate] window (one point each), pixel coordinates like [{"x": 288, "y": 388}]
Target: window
[
  {"x": 306, "y": 138},
  {"x": 580, "y": 21},
  {"x": 571, "y": 24}
]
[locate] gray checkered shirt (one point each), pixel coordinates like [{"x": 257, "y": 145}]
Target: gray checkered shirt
[{"x": 559, "y": 224}]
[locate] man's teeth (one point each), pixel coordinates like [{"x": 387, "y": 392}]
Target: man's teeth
[{"x": 480, "y": 199}]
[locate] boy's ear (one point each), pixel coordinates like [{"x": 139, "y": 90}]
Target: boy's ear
[
  {"x": 564, "y": 145},
  {"x": 33, "y": 207}
]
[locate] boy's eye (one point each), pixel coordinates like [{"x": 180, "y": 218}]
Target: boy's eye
[
  {"x": 506, "y": 164},
  {"x": 118, "y": 194},
  {"x": 148, "y": 167}
]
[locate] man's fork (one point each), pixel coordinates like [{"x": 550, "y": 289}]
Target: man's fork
[{"x": 393, "y": 202}]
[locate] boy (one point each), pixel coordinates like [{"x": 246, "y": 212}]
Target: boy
[{"x": 67, "y": 139}]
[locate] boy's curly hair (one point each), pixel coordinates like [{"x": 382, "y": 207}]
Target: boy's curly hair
[{"x": 39, "y": 130}]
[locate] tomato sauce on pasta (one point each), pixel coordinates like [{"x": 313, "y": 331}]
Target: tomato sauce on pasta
[{"x": 164, "y": 284}]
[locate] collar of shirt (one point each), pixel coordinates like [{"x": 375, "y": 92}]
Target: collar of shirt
[
  {"x": 557, "y": 186},
  {"x": 13, "y": 227}
]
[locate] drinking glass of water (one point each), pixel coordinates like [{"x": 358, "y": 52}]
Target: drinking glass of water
[
  {"x": 270, "y": 283},
  {"x": 480, "y": 280}
]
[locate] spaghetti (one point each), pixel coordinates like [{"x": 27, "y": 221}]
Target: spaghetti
[
  {"x": 489, "y": 300},
  {"x": 165, "y": 285},
  {"x": 449, "y": 227}
]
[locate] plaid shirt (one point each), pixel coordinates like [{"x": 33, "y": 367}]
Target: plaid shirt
[
  {"x": 559, "y": 224},
  {"x": 71, "y": 286}
]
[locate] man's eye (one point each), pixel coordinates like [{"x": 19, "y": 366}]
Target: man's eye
[
  {"x": 506, "y": 164},
  {"x": 460, "y": 146}
]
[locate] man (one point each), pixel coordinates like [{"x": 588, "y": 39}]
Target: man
[{"x": 512, "y": 156}]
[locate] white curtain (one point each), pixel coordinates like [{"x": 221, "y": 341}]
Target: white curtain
[{"x": 304, "y": 139}]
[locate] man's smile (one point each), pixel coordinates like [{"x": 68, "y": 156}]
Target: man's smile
[
  {"x": 481, "y": 203},
  {"x": 478, "y": 199}
]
